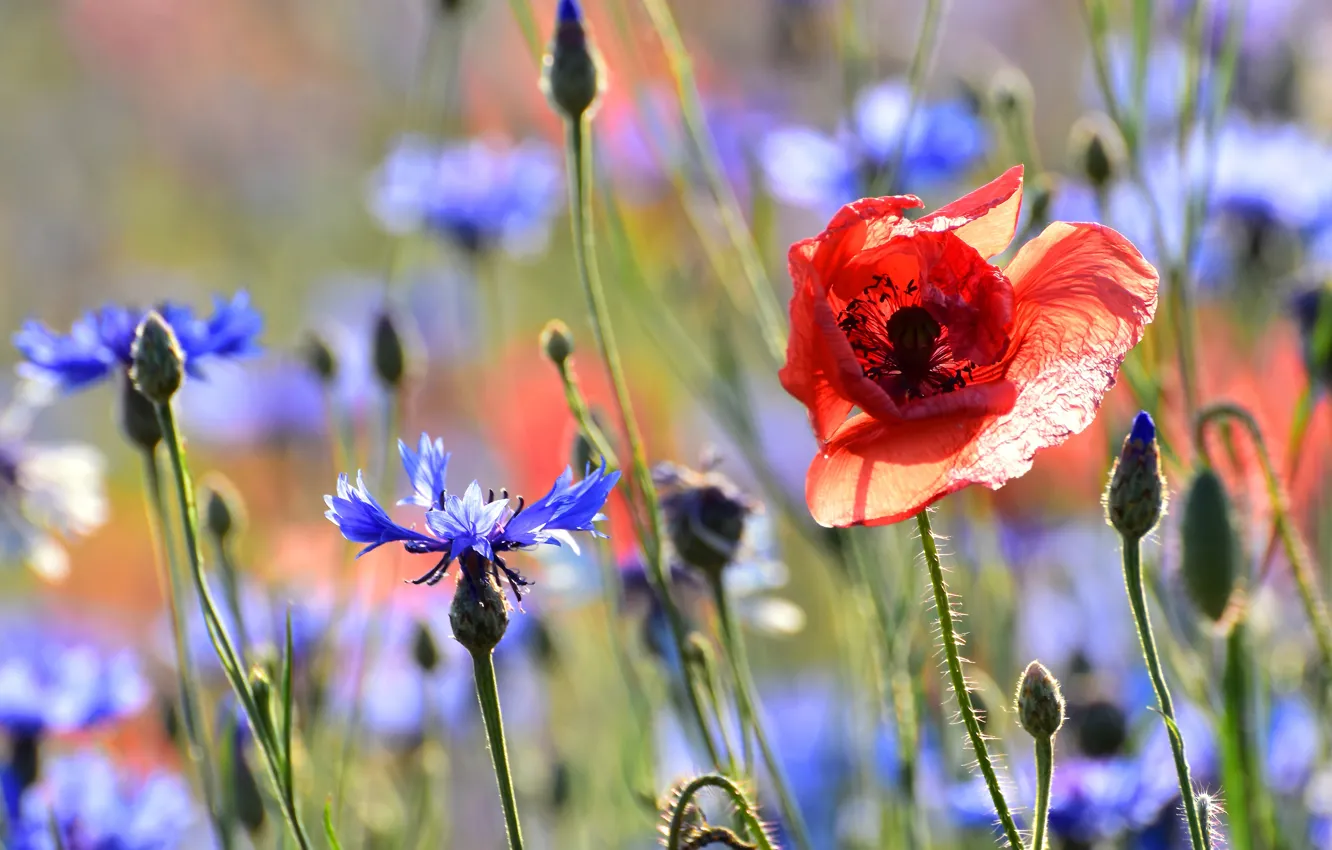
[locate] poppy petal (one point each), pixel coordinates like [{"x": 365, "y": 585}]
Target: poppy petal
[{"x": 986, "y": 218}]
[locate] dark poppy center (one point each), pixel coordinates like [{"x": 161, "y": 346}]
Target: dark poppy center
[{"x": 899, "y": 345}]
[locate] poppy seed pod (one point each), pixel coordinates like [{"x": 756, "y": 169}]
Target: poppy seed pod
[
  {"x": 158, "y": 362},
  {"x": 319, "y": 358},
  {"x": 1211, "y": 551},
  {"x": 571, "y": 72},
  {"x": 1135, "y": 498},
  {"x": 705, "y": 515},
  {"x": 1097, "y": 149},
  {"x": 137, "y": 417},
  {"x": 556, "y": 342},
  {"x": 1040, "y": 705},
  {"x": 480, "y": 611}
]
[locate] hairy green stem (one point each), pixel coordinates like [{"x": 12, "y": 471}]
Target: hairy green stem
[
  {"x": 734, "y": 644},
  {"x": 1138, "y": 602},
  {"x": 580, "y": 202},
  {"x": 675, "y": 832},
  {"x": 1044, "y": 776},
  {"x": 959, "y": 682},
  {"x": 487, "y": 693}
]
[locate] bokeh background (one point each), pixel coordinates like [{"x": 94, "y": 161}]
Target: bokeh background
[{"x": 333, "y": 157}]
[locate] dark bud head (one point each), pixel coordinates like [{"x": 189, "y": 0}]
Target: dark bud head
[
  {"x": 1135, "y": 498},
  {"x": 1010, "y": 93},
  {"x": 571, "y": 71},
  {"x": 389, "y": 352},
  {"x": 1211, "y": 552},
  {"x": 556, "y": 342},
  {"x": 318, "y": 356},
  {"x": 582, "y": 455},
  {"x": 1097, "y": 149},
  {"x": 249, "y": 801},
  {"x": 137, "y": 417},
  {"x": 480, "y": 611},
  {"x": 1102, "y": 729},
  {"x": 24, "y": 764},
  {"x": 158, "y": 362},
  {"x": 1313, "y": 312},
  {"x": 1040, "y": 705},
  {"x": 261, "y": 685},
  {"x": 450, "y": 7},
  {"x": 705, "y": 515},
  {"x": 425, "y": 652},
  {"x": 224, "y": 510},
  {"x": 561, "y": 785}
]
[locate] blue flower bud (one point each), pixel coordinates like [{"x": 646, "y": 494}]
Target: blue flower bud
[
  {"x": 137, "y": 417},
  {"x": 479, "y": 614},
  {"x": 1135, "y": 498},
  {"x": 571, "y": 72},
  {"x": 557, "y": 342},
  {"x": 158, "y": 364},
  {"x": 1040, "y": 705},
  {"x": 319, "y": 358},
  {"x": 223, "y": 509}
]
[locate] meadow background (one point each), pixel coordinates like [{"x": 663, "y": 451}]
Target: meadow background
[{"x": 173, "y": 149}]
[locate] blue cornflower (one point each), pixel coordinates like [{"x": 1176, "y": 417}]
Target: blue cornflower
[
  {"x": 51, "y": 683},
  {"x": 474, "y": 193},
  {"x": 269, "y": 402},
  {"x": 470, "y": 527},
  {"x": 97, "y": 806},
  {"x": 102, "y": 340},
  {"x": 806, "y": 167}
]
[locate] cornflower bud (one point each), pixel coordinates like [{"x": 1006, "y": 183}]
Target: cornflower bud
[
  {"x": 1011, "y": 94},
  {"x": 1040, "y": 705},
  {"x": 158, "y": 362},
  {"x": 137, "y": 417},
  {"x": 571, "y": 72},
  {"x": 1211, "y": 551},
  {"x": 224, "y": 511},
  {"x": 1135, "y": 499},
  {"x": 556, "y": 342},
  {"x": 261, "y": 685},
  {"x": 705, "y": 515},
  {"x": 1097, "y": 149},
  {"x": 424, "y": 651},
  {"x": 480, "y": 610},
  {"x": 318, "y": 356},
  {"x": 389, "y": 352}
]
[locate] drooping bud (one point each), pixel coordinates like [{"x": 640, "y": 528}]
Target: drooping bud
[
  {"x": 1010, "y": 93},
  {"x": 424, "y": 650},
  {"x": 318, "y": 356},
  {"x": 1211, "y": 551},
  {"x": 1135, "y": 498},
  {"x": 1040, "y": 705},
  {"x": 137, "y": 417},
  {"x": 480, "y": 610},
  {"x": 556, "y": 342},
  {"x": 158, "y": 362},
  {"x": 1097, "y": 149},
  {"x": 389, "y": 352},
  {"x": 1313, "y": 311},
  {"x": 224, "y": 510},
  {"x": 571, "y": 71},
  {"x": 705, "y": 515}
]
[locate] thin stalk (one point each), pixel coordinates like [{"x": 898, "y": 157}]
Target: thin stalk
[
  {"x": 1236, "y": 754},
  {"x": 944, "y": 608},
  {"x": 734, "y": 644},
  {"x": 1044, "y": 777},
  {"x": 487, "y": 693},
  {"x": 1301, "y": 567},
  {"x": 198, "y": 747},
  {"x": 675, "y": 831},
  {"x": 926, "y": 42},
  {"x": 579, "y": 157},
  {"x": 276, "y": 761},
  {"x": 231, "y": 587},
  {"x": 1138, "y": 602}
]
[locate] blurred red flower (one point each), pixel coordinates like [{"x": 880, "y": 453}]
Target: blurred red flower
[{"x": 961, "y": 371}]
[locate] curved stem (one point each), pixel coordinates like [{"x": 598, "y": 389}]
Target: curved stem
[
  {"x": 959, "y": 682},
  {"x": 1044, "y": 776},
  {"x": 1314, "y": 606},
  {"x": 580, "y": 202},
  {"x": 675, "y": 831},
  {"x": 487, "y": 693},
  {"x": 1138, "y": 602},
  {"x": 734, "y": 643}
]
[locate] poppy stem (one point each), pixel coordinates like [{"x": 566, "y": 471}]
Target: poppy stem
[
  {"x": 276, "y": 750},
  {"x": 1314, "y": 606},
  {"x": 676, "y": 829},
  {"x": 652, "y": 535},
  {"x": 1044, "y": 777},
  {"x": 734, "y": 644},
  {"x": 1132, "y": 547},
  {"x": 944, "y": 608},
  {"x": 487, "y": 693}
]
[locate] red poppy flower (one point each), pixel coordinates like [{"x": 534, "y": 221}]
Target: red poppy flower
[{"x": 960, "y": 371}]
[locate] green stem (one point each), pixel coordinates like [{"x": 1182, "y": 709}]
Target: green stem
[
  {"x": 1044, "y": 776},
  {"x": 944, "y": 608},
  {"x": 487, "y": 693},
  {"x": 926, "y": 41},
  {"x": 231, "y": 587},
  {"x": 1138, "y": 602},
  {"x": 734, "y": 644},
  {"x": 198, "y": 746},
  {"x": 1236, "y": 753},
  {"x": 675, "y": 830},
  {"x": 1314, "y": 606},
  {"x": 277, "y": 762},
  {"x": 579, "y": 157}
]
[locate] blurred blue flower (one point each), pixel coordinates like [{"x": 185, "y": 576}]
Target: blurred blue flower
[
  {"x": 99, "y": 807},
  {"x": 52, "y": 682},
  {"x": 1294, "y": 740},
  {"x": 808, "y": 168},
  {"x": 103, "y": 339},
  {"x": 271, "y": 401},
  {"x": 264, "y": 613},
  {"x": 1163, "y": 82},
  {"x": 473, "y": 523},
  {"x": 472, "y": 192}
]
